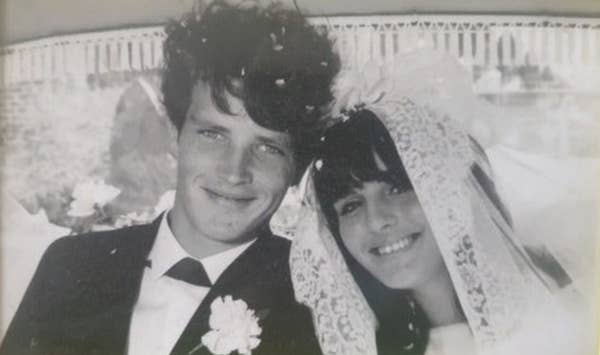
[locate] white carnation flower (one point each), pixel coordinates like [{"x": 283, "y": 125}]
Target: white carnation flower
[{"x": 234, "y": 327}]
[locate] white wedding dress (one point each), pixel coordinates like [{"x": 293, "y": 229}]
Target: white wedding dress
[{"x": 453, "y": 339}]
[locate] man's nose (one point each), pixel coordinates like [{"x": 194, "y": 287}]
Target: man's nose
[
  {"x": 235, "y": 167},
  {"x": 380, "y": 217}
]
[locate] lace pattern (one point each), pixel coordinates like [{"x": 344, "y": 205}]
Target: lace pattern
[
  {"x": 437, "y": 157},
  {"x": 342, "y": 318}
]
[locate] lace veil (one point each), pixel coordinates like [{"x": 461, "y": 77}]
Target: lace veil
[{"x": 501, "y": 290}]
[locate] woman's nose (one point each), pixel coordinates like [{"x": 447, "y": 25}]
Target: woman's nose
[{"x": 380, "y": 217}]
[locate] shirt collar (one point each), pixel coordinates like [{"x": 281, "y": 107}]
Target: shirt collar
[{"x": 166, "y": 251}]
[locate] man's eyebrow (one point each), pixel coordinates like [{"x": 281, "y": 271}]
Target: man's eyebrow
[
  {"x": 280, "y": 141},
  {"x": 214, "y": 125}
]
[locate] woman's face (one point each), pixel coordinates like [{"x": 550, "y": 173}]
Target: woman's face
[{"x": 385, "y": 229}]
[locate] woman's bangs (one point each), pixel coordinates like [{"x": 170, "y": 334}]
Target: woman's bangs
[{"x": 358, "y": 151}]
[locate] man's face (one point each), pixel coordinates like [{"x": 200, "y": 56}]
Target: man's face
[{"x": 232, "y": 174}]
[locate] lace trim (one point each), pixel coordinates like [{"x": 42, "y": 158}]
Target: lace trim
[{"x": 344, "y": 322}]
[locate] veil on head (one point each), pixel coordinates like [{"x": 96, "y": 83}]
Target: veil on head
[{"x": 499, "y": 285}]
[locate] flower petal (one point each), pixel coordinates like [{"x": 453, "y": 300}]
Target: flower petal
[{"x": 234, "y": 327}]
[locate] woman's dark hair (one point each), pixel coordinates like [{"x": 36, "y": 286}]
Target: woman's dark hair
[
  {"x": 347, "y": 160},
  {"x": 270, "y": 58}
]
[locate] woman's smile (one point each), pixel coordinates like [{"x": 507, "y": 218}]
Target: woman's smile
[{"x": 402, "y": 244}]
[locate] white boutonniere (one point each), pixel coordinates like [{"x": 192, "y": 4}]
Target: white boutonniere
[{"x": 233, "y": 327}]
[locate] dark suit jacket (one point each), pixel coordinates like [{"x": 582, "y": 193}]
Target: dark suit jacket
[{"x": 81, "y": 297}]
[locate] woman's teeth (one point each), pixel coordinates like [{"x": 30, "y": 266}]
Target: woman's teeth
[{"x": 401, "y": 244}]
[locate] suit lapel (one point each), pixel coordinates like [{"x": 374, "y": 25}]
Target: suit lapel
[
  {"x": 119, "y": 287},
  {"x": 243, "y": 279}
]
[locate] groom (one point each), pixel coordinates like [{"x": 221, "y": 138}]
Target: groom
[{"x": 245, "y": 88}]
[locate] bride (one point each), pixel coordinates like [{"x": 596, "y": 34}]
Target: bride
[{"x": 405, "y": 247}]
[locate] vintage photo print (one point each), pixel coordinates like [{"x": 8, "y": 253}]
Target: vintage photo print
[{"x": 340, "y": 177}]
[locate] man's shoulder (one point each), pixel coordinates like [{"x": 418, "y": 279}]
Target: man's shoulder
[
  {"x": 278, "y": 243},
  {"x": 86, "y": 245},
  {"x": 276, "y": 249},
  {"x": 105, "y": 235}
]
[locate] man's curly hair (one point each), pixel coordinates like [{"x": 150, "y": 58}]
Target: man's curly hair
[{"x": 284, "y": 65}]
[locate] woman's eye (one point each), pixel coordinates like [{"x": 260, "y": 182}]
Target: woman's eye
[
  {"x": 270, "y": 149},
  {"x": 395, "y": 190},
  {"x": 349, "y": 207},
  {"x": 210, "y": 134}
]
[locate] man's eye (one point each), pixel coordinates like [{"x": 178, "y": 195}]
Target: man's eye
[
  {"x": 349, "y": 207},
  {"x": 210, "y": 134},
  {"x": 270, "y": 149}
]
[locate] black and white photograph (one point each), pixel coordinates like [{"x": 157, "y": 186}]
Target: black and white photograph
[{"x": 302, "y": 177}]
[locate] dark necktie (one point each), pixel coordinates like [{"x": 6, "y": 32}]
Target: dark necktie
[{"x": 190, "y": 271}]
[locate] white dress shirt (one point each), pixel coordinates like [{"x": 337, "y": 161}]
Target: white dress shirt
[{"x": 165, "y": 305}]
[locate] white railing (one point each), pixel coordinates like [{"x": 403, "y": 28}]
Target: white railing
[
  {"x": 79, "y": 55},
  {"x": 478, "y": 40}
]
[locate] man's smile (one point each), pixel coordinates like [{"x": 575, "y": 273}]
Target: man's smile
[{"x": 221, "y": 196}]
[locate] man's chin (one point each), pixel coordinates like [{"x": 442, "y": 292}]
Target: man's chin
[
  {"x": 229, "y": 227},
  {"x": 230, "y": 236}
]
